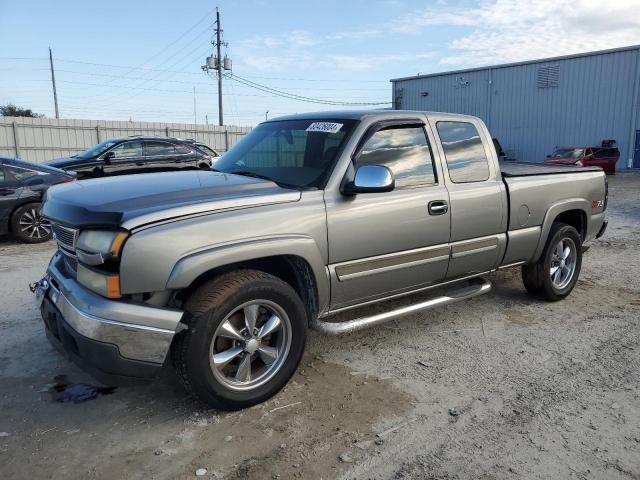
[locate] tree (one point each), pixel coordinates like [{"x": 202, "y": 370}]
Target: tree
[{"x": 10, "y": 110}]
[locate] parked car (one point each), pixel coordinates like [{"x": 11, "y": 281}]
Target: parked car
[
  {"x": 604, "y": 157},
  {"x": 307, "y": 216},
  {"x": 22, "y": 185},
  {"x": 207, "y": 149},
  {"x": 129, "y": 155}
]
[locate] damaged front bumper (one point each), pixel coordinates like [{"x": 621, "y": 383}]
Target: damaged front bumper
[{"x": 115, "y": 341}]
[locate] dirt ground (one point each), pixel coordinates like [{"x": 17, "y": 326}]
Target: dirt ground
[{"x": 502, "y": 386}]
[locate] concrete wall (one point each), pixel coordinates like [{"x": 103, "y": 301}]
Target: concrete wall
[
  {"x": 596, "y": 98},
  {"x": 42, "y": 139}
]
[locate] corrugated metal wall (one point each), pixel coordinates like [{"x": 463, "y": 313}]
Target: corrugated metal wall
[
  {"x": 596, "y": 98},
  {"x": 42, "y": 139}
]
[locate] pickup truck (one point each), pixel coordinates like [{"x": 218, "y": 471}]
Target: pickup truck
[{"x": 220, "y": 273}]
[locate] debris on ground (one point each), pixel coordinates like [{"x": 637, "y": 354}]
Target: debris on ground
[
  {"x": 346, "y": 458},
  {"x": 454, "y": 412},
  {"x": 63, "y": 390},
  {"x": 201, "y": 472}
]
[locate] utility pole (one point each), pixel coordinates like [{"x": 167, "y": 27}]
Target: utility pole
[
  {"x": 53, "y": 81},
  {"x": 266, "y": 115},
  {"x": 218, "y": 31},
  {"x": 195, "y": 117},
  {"x": 217, "y": 63}
]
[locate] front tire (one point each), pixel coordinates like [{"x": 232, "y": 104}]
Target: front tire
[
  {"x": 556, "y": 273},
  {"x": 245, "y": 338},
  {"x": 28, "y": 226}
]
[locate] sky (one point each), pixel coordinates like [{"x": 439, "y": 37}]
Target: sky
[{"x": 141, "y": 61}]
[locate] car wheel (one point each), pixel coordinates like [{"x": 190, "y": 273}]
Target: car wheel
[
  {"x": 28, "y": 226},
  {"x": 555, "y": 274},
  {"x": 245, "y": 337}
]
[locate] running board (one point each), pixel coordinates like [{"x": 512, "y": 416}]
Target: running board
[{"x": 478, "y": 286}]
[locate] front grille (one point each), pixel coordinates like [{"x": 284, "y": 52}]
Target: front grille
[{"x": 65, "y": 237}]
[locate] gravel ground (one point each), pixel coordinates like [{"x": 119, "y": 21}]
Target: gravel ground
[{"x": 502, "y": 386}]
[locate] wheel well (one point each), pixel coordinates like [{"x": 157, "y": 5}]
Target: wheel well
[
  {"x": 576, "y": 218},
  {"x": 292, "y": 269}
]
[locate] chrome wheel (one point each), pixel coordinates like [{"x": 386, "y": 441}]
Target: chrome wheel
[
  {"x": 33, "y": 225},
  {"x": 563, "y": 263},
  {"x": 250, "y": 345}
]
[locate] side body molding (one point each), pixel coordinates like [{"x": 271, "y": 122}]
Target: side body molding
[
  {"x": 555, "y": 210},
  {"x": 191, "y": 266}
]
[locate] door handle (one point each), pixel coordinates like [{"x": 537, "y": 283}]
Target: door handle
[
  {"x": 7, "y": 191},
  {"x": 139, "y": 164},
  {"x": 438, "y": 207}
]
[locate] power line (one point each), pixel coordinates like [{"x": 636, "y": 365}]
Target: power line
[{"x": 301, "y": 98}]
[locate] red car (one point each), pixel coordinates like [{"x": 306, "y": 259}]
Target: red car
[{"x": 605, "y": 157}]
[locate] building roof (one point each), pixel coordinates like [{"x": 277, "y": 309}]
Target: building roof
[{"x": 514, "y": 64}]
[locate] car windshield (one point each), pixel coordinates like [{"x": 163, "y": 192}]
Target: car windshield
[
  {"x": 292, "y": 153},
  {"x": 568, "y": 153},
  {"x": 97, "y": 150}
]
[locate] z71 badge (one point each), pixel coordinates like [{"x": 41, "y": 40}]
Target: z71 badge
[{"x": 597, "y": 204}]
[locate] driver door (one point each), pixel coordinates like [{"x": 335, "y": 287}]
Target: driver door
[{"x": 382, "y": 244}]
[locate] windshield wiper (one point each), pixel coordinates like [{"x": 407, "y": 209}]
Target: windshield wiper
[{"x": 248, "y": 173}]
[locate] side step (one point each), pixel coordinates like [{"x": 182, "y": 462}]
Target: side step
[{"x": 478, "y": 286}]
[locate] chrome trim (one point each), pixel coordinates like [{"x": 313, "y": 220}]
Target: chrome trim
[
  {"x": 481, "y": 287},
  {"x": 328, "y": 313},
  {"x": 474, "y": 245},
  {"x": 473, "y": 251},
  {"x": 140, "y": 332},
  {"x": 502, "y": 267},
  {"x": 392, "y": 261}
]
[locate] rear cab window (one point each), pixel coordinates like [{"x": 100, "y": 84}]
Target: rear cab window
[
  {"x": 464, "y": 152},
  {"x": 405, "y": 150}
]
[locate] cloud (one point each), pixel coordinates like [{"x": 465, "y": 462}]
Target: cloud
[{"x": 513, "y": 30}]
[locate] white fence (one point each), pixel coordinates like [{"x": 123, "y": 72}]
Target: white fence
[{"x": 42, "y": 139}]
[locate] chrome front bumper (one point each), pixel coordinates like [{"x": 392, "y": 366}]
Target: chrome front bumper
[{"x": 139, "y": 332}]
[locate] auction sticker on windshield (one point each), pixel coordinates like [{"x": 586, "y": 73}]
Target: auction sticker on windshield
[{"x": 325, "y": 127}]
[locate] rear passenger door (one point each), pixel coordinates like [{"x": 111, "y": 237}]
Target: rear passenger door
[
  {"x": 390, "y": 242},
  {"x": 477, "y": 196},
  {"x": 159, "y": 155}
]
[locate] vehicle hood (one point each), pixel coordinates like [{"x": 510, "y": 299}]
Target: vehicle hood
[{"x": 130, "y": 201}]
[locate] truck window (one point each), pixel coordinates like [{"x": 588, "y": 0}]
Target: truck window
[
  {"x": 464, "y": 152},
  {"x": 405, "y": 151}
]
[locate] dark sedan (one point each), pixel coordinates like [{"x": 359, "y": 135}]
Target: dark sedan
[
  {"x": 135, "y": 155},
  {"x": 22, "y": 185}
]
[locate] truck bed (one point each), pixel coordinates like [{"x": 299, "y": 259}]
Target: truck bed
[{"x": 526, "y": 169}]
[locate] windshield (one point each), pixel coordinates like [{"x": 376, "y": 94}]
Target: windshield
[
  {"x": 295, "y": 153},
  {"x": 97, "y": 150},
  {"x": 568, "y": 153}
]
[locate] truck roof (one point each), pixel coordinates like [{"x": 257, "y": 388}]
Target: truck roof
[{"x": 362, "y": 114}]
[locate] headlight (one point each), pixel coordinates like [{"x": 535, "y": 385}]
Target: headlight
[
  {"x": 105, "y": 284},
  {"x": 108, "y": 243}
]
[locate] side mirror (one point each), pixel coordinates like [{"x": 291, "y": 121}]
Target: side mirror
[
  {"x": 370, "y": 179},
  {"x": 108, "y": 157}
]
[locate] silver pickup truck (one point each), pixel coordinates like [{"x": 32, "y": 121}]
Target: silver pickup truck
[{"x": 308, "y": 217}]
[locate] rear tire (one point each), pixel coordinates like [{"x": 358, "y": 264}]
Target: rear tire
[
  {"x": 556, "y": 272},
  {"x": 28, "y": 226},
  {"x": 245, "y": 338}
]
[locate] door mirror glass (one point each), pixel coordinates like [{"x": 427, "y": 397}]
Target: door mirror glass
[{"x": 370, "y": 179}]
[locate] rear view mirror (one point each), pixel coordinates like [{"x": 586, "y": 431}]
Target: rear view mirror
[{"x": 370, "y": 179}]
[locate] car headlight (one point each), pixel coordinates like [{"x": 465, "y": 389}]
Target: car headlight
[
  {"x": 107, "y": 243},
  {"x": 105, "y": 284}
]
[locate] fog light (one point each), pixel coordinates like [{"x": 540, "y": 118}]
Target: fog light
[{"x": 107, "y": 285}]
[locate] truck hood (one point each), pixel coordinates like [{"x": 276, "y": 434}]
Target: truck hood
[{"x": 131, "y": 201}]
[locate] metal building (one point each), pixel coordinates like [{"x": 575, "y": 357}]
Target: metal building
[{"x": 535, "y": 106}]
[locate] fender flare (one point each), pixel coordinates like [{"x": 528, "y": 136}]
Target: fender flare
[
  {"x": 191, "y": 266},
  {"x": 552, "y": 213}
]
